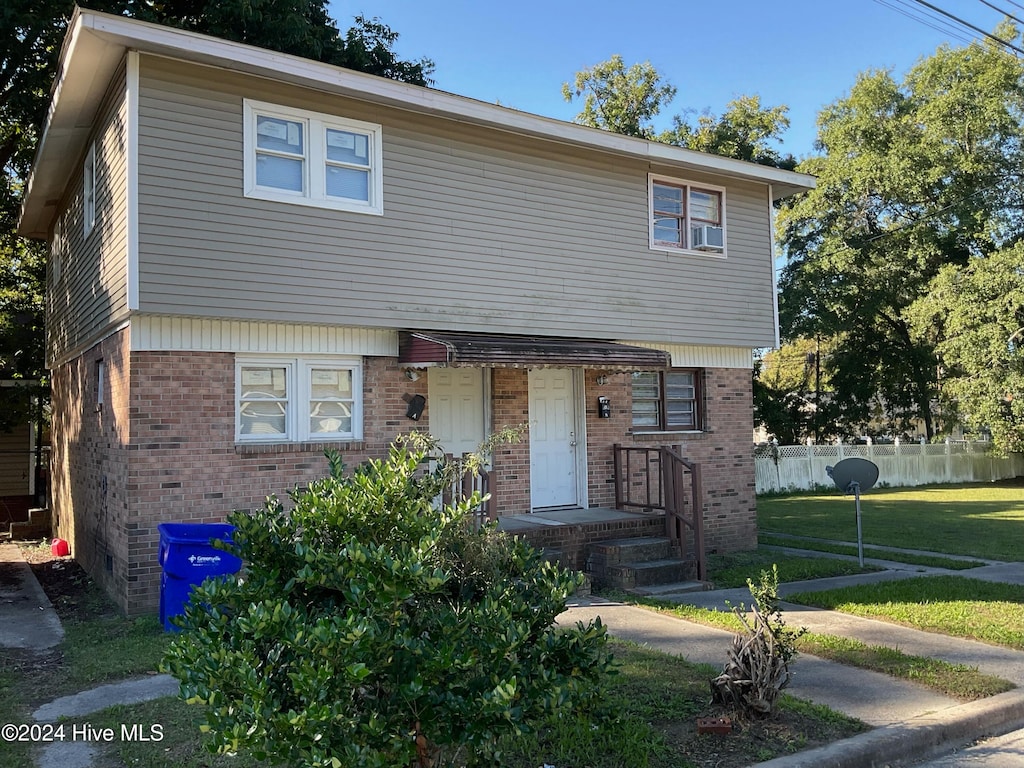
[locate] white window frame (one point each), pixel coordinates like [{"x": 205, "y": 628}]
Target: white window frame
[
  {"x": 298, "y": 376},
  {"x": 314, "y": 192},
  {"x": 89, "y": 191},
  {"x": 656, "y": 245},
  {"x": 57, "y": 250},
  {"x": 101, "y": 383}
]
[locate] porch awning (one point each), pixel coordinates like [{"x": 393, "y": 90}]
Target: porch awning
[{"x": 507, "y": 351}]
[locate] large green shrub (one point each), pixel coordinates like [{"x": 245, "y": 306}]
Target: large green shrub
[{"x": 372, "y": 628}]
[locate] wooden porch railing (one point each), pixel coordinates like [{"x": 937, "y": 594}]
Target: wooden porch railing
[
  {"x": 661, "y": 480},
  {"x": 463, "y": 488}
]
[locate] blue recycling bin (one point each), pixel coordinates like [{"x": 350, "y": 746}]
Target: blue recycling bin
[{"x": 188, "y": 558}]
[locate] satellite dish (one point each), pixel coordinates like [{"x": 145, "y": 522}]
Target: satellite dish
[
  {"x": 853, "y": 476},
  {"x": 854, "y": 470}
]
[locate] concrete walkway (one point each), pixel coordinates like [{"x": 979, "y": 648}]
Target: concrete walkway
[
  {"x": 909, "y": 720},
  {"x": 29, "y": 622}
]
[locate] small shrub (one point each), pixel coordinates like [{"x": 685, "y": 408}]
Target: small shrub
[
  {"x": 757, "y": 669},
  {"x": 372, "y": 628}
]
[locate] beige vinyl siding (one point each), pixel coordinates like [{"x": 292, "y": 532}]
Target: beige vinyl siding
[
  {"x": 15, "y": 460},
  {"x": 88, "y": 292},
  {"x": 482, "y": 230}
]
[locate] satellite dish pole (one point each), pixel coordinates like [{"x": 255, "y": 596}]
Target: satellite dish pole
[
  {"x": 855, "y": 486},
  {"x": 850, "y": 476}
]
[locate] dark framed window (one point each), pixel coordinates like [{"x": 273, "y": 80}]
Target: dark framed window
[
  {"x": 666, "y": 400},
  {"x": 686, "y": 217}
]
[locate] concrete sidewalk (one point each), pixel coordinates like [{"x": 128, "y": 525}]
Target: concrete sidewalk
[{"x": 28, "y": 619}]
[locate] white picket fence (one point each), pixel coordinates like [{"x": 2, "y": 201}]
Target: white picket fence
[{"x": 802, "y": 467}]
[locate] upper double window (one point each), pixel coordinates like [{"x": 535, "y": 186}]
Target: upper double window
[
  {"x": 308, "y": 158},
  {"x": 687, "y": 216}
]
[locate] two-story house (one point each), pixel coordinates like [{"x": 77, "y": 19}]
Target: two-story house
[{"x": 256, "y": 256}]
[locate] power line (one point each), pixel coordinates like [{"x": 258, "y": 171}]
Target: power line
[
  {"x": 965, "y": 23},
  {"x": 1000, "y": 10},
  {"x": 935, "y": 22}
]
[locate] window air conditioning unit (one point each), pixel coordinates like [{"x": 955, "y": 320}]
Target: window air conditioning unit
[{"x": 707, "y": 238}]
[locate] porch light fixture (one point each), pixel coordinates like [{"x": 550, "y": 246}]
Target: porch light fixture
[
  {"x": 602, "y": 380},
  {"x": 412, "y": 374}
]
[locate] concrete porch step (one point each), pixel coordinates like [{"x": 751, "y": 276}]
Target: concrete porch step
[
  {"x": 672, "y": 588},
  {"x": 633, "y": 575},
  {"x": 637, "y": 550},
  {"x": 36, "y": 527}
]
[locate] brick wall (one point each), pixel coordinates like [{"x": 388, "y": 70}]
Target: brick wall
[
  {"x": 89, "y": 461},
  {"x": 723, "y": 450},
  {"x": 511, "y": 463},
  {"x": 167, "y": 453}
]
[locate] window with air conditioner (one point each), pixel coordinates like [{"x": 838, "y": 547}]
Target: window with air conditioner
[{"x": 686, "y": 216}]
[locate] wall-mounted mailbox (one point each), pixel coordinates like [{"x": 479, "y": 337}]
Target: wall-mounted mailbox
[
  {"x": 604, "y": 408},
  {"x": 416, "y": 405}
]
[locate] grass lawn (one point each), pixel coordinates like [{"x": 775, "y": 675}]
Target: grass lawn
[
  {"x": 932, "y": 561},
  {"x": 958, "y": 681},
  {"x": 952, "y": 605},
  {"x": 979, "y": 520},
  {"x": 733, "y": 570}
]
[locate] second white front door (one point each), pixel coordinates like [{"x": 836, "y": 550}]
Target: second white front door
[
  {"x": 455, "y": 397},
  {"x": 554, "y": 442}
]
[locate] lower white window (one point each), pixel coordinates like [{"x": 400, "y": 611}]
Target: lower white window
[{"x": 298, "y": 399}]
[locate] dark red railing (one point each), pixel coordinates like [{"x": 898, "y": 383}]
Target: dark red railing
[
  {"x": 463, "y": 488},
  {"x": 661, "y": 480}
]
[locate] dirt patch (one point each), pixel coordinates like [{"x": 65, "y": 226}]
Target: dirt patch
[
  {"x": 74, "y": 595},
  {"x": 753, "y": 741}
]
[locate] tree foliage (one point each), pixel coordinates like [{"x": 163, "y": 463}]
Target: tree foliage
[
  {"x": 914, "y": 176},
  {"x": 626, "y": 100},
  {"x": 299, "y": 27},
  {"x": 793, "y": 396},
  {"x": 372, "y": 629},
  {"x": 745, "y": 131},
  {"x": 618, "y": 98},
  {"x": 976, "y": 314}
]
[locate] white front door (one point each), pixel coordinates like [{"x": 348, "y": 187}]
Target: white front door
[
  {"x": 553, "y": 438},
  {"x": 455, "y": 399}
]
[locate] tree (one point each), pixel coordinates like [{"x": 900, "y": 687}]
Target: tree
[
  {"x": 793, "y": 396},
  {"x": 31, "y": 32},
  {"x": 626, "y": 100},
  {"x": 618, "y": 99},
  {"x": 30, "y": 35},
  {"x": 976, "y": 315},
  {"x": 745, "y": 131},
  {"x": 299, "y": 27},
  {"x": 913, "y": 176}
]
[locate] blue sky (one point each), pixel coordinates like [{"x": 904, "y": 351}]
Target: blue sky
[{"x": 803, "y": 53}]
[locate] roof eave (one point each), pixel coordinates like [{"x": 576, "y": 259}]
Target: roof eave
[{"x": 97, "y": 42}]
